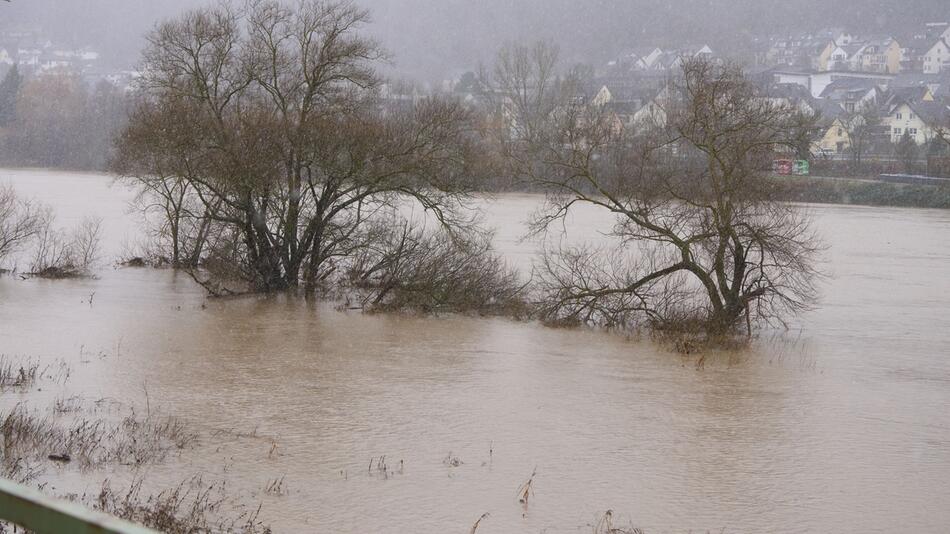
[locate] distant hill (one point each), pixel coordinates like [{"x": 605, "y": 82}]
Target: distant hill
[{"x": 434, "y": 38}]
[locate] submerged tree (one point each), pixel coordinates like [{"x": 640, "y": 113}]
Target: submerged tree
[
  {"x": 20, "y": 221},
  {"x": 700, "y": 240},
  {"x": 27, "y": 225},
  {"x": 261, "y": 140}
]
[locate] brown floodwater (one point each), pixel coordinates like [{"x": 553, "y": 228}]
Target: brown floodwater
[{"x": 840, "y": 424}]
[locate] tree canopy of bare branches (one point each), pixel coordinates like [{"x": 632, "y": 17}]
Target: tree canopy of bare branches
[
  {"x": 260, "y": 139},
  {"x": 19, "y": 221},
  {"x": 700, "y": 241},
  {"x": 863, "y": 127},
  {"x": 28, "y": 225},
  {"x": 525, "y": 87},
  {"x": 407, "y": 268}
]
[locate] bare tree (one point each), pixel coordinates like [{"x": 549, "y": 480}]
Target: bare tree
[
  {"x": 525, "y": 87},
  {"x": 58, "y": 253},
  {"x": 180, "y": 222},
  {"x": 263, "y": 127},
  {"x": 19, "y": 221},
  {"x": 407, "y": 267},
  {"x": 942, "y": 133},
  {"x": 51, "y": 252},
  {"x": 863, "y": 128},
  {"x": 700, "y": 240},
  {"x": 86, "y": 240}
]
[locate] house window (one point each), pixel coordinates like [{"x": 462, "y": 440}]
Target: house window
[
  {"x": 900, "y": 116},
  {"x": 911, "y": 116},
  {"x": 912, "y": 131},
  {"x": 840, "y": 132},
  {"x": 897, "y": 131}
]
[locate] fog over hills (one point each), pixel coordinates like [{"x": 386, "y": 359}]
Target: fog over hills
[{"x": 432, "y": 39}]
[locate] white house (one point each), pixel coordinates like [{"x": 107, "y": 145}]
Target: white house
[
  {"x": 5, "y": 57},
  {"x": 653, "y": 113},
  {"x": 937, "y": 57},
  {"x": 87, "y": 54},
  {"x": 29, "y": 57},
  {"x": 50, "y": 62},
  {"x": 602, "y": 98},
  {"x": 840, "y": 58},
  {"x": 841, "y": 37},
  {"x": 704, "y": 51},
  {"x": 644, "y": 58},
  {"x": 919, "y": 120}
]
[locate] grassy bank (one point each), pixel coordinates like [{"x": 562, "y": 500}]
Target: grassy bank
[
  {"x": 106, "y": 439},
  {"x": 860, "y": 192}
]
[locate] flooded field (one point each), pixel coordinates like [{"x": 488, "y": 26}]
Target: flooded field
[{"x": 840, "y": 424}]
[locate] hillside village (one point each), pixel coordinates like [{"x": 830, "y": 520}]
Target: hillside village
[
  {"x": 35, "y": 54},
  {"x": 881, "y": 88},
  {"x": 879, "y": 97}
]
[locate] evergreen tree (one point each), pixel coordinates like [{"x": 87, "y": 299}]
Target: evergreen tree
[{"x": 9, "y": 88}]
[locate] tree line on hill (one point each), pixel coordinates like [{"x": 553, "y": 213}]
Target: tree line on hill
[{"x": 58, "y": 121}]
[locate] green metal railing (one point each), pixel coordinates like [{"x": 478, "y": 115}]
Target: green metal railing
[{"x": 34, "y": 511}]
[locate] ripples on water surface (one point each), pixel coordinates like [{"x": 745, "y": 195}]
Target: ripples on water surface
[{"x": 840, "y": 425}]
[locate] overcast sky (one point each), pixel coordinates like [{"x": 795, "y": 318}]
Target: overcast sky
[{"x": 432, "y": 39}]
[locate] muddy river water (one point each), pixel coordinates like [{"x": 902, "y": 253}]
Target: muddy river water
[{"x": 840, "y": 424}]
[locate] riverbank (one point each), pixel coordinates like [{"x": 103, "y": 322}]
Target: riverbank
[
  {"x": 807, "y": 189},
  {"x": 852, "y": 191}
]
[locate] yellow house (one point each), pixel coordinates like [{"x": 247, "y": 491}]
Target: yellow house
[
  {"x": 882, "y": 55},
  {"x": 825, "y": 55},
  {"x": 918, "y": 120},
  {"x": 894, "y": 56},
  {"x": 835, "y": 139}
]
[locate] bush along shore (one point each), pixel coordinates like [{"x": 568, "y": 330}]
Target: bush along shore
[{"x": 860, "y": 192}]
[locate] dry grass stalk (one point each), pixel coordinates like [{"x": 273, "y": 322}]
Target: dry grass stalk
[
  {"x": 276, "y": 487},
  {"x": 382, "y": 468},
  {"x": 17, "y": 374},
  {"x": 605, "y": 525},
  {"x": 478, "y": 522},
  {"x": 91, "y": 443},
  {"x": 192, "y": 507},
  {"x": 527, "y": 490}
]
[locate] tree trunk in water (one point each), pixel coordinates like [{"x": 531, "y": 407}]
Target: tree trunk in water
[{"x": 724, "y": 321}]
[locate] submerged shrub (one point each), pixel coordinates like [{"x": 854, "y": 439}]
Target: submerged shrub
[
  {"x": 192, "y": 507},
  {"x": 405, "y": 268},
  {"x": 61, "y": 254}
]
